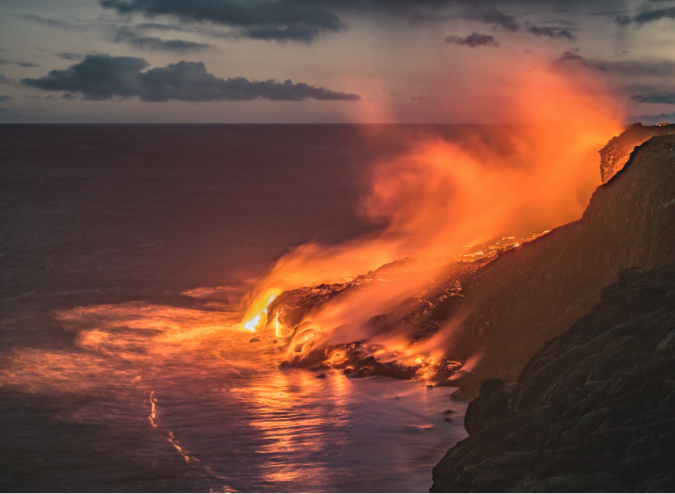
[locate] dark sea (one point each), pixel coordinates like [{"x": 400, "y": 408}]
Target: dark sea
[{"x": 125, "y": 253}]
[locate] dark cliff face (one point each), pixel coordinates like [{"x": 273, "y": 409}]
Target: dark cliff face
[
  {"x": 594, "y": 409},
  {"x": 535, "y": 292},
  {"x": 615, "y": 154}
]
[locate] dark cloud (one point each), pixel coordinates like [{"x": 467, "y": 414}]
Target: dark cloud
[
  {"x": 473, "y": 40},
  {"x": 70, "y": 56},
  {"x": 648, "y": 68},
  {"x": 263, "y": 19},
  {"x": 97, "y": 77},
  {"x": 128, "y": 36},
  {"x": 623, "y": 20},
  {"x": 654, "y": 15},
  {"x": 646, "y": 16},
  {"x": 302, "y": 20},
  {"x": 124, "y": 34},
  {"x": 550, "y": 32},
  {"x": 571, "y": 56},
  {"x": 656, "y": 68},
  {"x": 491, "y": 15},
  {"x": 668, "y": 98},
  {"x": 157, "y": 26},
  {"x": 307, "y": 20},
  {"x": 101, "y": 77},
  {"x": 4, "y": 97}
]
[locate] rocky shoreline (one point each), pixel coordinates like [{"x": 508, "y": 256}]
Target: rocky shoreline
[
  {"x": 584, "y": 314},
  {"x": 594, "y": 410},
  {"x": 511, "y": 303}
]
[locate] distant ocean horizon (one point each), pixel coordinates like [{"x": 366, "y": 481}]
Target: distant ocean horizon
[{"x": 126, "y": 250}]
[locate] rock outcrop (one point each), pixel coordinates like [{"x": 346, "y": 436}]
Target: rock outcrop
[
  {"x": 593, "y": 410},
  {"x": 615, "y": 154}
]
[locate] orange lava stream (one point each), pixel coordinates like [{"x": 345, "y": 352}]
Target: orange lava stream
[{"x": 441, "y": 197}]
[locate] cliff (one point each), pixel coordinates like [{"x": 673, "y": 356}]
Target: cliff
[
  {"x": 584, "y": 314},
  {"x": 594, "y": 407},
  {"x": 615, "y": 154},
  {"x": 593, "y": 410},
  {"x": 536, "y": 292}
]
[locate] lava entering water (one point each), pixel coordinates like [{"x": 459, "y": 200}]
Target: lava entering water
[{"x": 438, "y": 200}]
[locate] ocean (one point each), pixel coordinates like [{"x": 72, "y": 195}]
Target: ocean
[{"x": 126, "y": 252}]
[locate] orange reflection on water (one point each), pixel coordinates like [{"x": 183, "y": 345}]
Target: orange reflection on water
[
  {"x": 117, "y": 344},
  {"x": 175, "y": 444},
  {"x": 153, "y": 409},
  {"x": 195, "y": 380},
  {"x": 282, "y": 410}
]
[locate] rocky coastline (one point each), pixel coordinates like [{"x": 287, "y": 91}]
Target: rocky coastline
[
  {"x": 525, "y": 293},
  {"x": 584, "y": 315},
  {"x": 594, "y": 408}
]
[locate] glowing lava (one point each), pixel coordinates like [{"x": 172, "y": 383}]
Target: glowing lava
[
  {"x": 253, "y": 323},
  {"x": 440, "y": 198}
]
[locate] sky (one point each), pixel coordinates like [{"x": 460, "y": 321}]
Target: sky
[{"x": 321, "y": 61}]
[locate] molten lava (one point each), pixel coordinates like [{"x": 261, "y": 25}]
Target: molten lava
[
  {"x": 442, "y": 203},
  {"x": 253, "y": 323}
]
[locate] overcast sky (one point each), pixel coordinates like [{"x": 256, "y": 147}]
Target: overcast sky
[{"x": 398, "y": 61}]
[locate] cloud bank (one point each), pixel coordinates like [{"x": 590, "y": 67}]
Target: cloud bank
[
  {"x": 668, "y": 98},
  {"x": 550, "y": 32},
  {"x": 102, "y": 77},
  {"x": 473, "y": 40},
  {"x": 305, "y": 20},
  {"x": 128, "y": 36},
  {"x": 647, "y": 16},
  {"x": 262, "y": 19},
  {"x": 639, "y": 68},
  {"x": 491, "y": 15}
]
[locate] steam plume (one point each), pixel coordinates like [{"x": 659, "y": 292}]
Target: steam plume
[{"x": 442, "y": 196}]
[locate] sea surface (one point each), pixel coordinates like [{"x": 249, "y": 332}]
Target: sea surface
[{"x": 125, "y": 253}]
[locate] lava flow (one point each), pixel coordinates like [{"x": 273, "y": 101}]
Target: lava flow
[{"x": 444, "y": 204}]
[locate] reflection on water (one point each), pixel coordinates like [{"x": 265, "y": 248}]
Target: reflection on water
[
  {"x": 188, "y": 384},
  {"x": 100, "y": 216}
]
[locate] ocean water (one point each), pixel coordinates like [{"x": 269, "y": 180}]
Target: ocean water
[{"x": 125, "y": 252}]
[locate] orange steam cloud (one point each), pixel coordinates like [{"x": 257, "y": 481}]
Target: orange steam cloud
[{"x": 441, "y": 196}]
